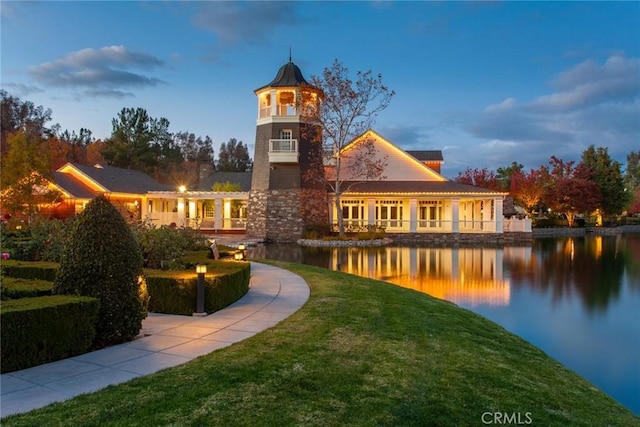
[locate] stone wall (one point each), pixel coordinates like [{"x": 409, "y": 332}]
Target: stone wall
[
  {"x": 274, "y": 215},
  {"x": 458, "y": 239}
]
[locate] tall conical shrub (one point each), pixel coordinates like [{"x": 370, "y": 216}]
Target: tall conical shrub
[{"x": 102, "y": 259}]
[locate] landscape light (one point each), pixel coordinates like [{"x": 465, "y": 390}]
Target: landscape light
[{"x": 201, "y": 269}]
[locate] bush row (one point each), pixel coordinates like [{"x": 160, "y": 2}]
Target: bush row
[
  {"x": 43, "y": 329},
  {"x": 15, "y": 288},
  {"x": 31, "y": 270},
  {"x": 177, "y": 294}
]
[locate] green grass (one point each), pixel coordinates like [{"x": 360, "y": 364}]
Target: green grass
[{"x": 360, "y": 352}]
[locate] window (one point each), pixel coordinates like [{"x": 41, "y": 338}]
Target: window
[{"x": 286, "y": 134}]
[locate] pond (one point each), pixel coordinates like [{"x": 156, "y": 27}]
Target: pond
[{"x": 576, "y": 298}]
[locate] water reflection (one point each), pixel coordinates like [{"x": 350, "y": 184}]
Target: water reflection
[
  {"x": 575, "y": 298},
  {"x": 590, "y": 268}
]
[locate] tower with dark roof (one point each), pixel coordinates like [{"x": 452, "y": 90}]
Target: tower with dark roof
[{"x": 287, "y": 141}]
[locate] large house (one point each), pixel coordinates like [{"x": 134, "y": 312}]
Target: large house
[{"x": 409, "y": 197}]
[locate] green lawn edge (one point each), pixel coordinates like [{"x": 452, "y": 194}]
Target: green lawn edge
[{"x": 359, "y": 352}]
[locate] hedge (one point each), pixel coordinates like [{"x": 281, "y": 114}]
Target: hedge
[
  {"x": 44, "y": 329},
  {"x": 31, "y": 270},
  {"x": 14, "y": 288},
  {"x": 176, "y": 293}
]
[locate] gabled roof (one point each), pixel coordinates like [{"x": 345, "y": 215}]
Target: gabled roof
[
  {"x": 401, "y": 166},
  {"x": 84, "y": 181},
  {"x": 242, "y": 178}
]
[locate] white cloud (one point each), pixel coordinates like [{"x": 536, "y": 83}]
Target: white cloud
[
  {"x": 593, "y": 103},
  {"x": 507, "y": 104},
  {"x": 108, "y": 71},
  {"x": 589, "y": 83}
]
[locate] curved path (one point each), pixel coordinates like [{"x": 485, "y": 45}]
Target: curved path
[{"x": 168, "y": 340}]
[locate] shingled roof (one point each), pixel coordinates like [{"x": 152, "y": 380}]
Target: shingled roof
[
  {"x": 427, "y": 155},
  {"x": 288, "y": 75},
  {"x": 112, "y": 179},
  {"x": 404, "y": 187}
]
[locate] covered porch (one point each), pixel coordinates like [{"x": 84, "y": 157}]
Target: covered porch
[
  {"x": 420, "y": 213},
  {"x": 208, "y": 211}
]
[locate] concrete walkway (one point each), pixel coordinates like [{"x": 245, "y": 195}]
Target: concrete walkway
[{"x": 169, "y": 340}]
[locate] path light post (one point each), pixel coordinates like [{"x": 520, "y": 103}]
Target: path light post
[{"x": 201, "y": 269}]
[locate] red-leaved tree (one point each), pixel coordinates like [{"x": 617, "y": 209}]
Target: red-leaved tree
[
  {"x": 480, "y": 178},
  {"x": 570, "y": 190},
  {"x": 527, "y": 188}
]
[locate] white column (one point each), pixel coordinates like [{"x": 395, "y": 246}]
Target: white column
[
  {"x": 217, "y": 213},
  {"x": 413, "y": 215},
  {"x": 455, "y": 215},
  {"x": 181, "y": 212},
  {"x": 193, "y": 213},
  {"x": 499, "y": 215},
  {"x": 371, "y": 211},
  {"x": 274, "y": 103}
]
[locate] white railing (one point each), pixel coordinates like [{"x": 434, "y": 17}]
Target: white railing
[
  {"x": 283, "y": 145},
  {"x": 515, "y": 225},
  {"x": 283, "y": 151}
]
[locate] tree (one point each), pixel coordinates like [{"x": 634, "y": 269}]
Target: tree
[
  {"x": 25, "y": 174},
  {"x": 16, "y": 116},
  {"x": 102, "y": 259},
  {"x": 504, "y": 175},
  {"x": 632, "y": 181},
  {"x": 607, "y": 175},
  {"x": 233, "y": 156},
  {"x": 480, "y": 178},
  {"x": 349, "y": 108},
  {"x": 527, "y": 189},
  {"x": 571, "y": 191},
  {"x": 141, "y": 143}
]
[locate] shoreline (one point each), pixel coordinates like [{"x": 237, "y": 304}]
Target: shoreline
[{"x": 472, "y": 239}]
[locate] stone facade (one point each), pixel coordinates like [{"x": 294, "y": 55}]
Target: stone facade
[
  {"x": 460, "y": 239},
  {"x": 275, "y": 215}
]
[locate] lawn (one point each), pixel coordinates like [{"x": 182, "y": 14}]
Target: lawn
[{"x": 359, "y": 352}]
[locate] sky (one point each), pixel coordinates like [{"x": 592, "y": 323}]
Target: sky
[{"x": 488, "y": 83}]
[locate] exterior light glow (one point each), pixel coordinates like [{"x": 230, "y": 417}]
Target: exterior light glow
[
  {"x": 201, "y": 268},
  {"x": 182, "y": 188}
]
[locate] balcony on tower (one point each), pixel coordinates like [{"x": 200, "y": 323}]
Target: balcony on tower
[
  {"x": 291, "y": 102},
  {"x": 283, "y": 151}
]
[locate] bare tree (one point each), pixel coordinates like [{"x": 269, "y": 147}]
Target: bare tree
[{"x": 349, "y": 108}]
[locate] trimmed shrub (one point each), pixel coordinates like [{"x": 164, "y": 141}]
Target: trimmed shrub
[
  {"x": 177, "y": 293},
  {"x": 44, "y": 329},
  {"x": 13, "y": 288},
  {"x": 102, "y": 259},
  {"x": 31, "y": 270}
]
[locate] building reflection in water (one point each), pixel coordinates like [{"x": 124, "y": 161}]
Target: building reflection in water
[{"x": 465, "y": 276}]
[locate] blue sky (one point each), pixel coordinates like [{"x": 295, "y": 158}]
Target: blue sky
[{"x": 487, "y": 83}]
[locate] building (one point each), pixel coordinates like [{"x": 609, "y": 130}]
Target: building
[
  {"x": 410, "y": 196},
  {"x": 283, "y": 200},
  {"x": 278, "y": 201}
]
